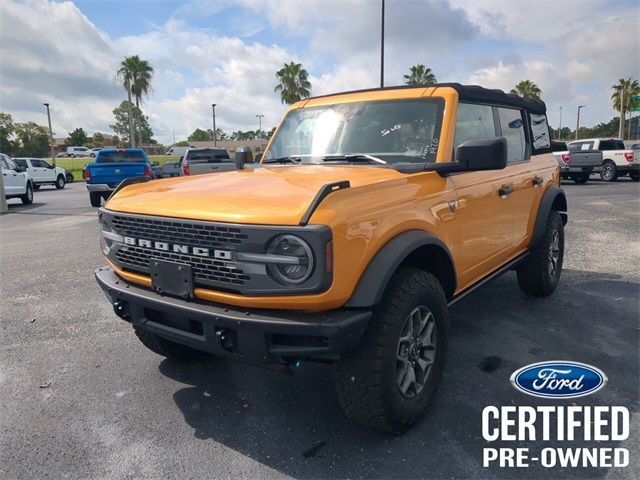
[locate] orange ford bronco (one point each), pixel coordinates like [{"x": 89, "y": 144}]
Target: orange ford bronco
[{"x": 369, "y": 214}]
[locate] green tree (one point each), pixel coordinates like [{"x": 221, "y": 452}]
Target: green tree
[
  {"x": 7, "y": 129},
  {"x": 33, "y": 138},
  {"x": 135, "y": 75},
  {"x": 622, "y": 100},
  {"x": 527, "y": 89},
  {"x": 420, "y": 76},
  {"x": 78, "y": 137},
  {"x": 121, "y": 125},
  {"x": 220, "y": 134},
  {"x": 294, "y": 84},
  {"x": 98, "y": 139},
  {"x": 199, "y": 135},
  {"x": 181, "y": 143}
]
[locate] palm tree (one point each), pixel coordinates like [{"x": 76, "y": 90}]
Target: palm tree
[
  {"x": 420, "y": 76},
  {"x": 294, "y": 83},
  {"x": 622, "y": 99},
  {"x": 136, "y": 75},
  {"x": 527, "y": 89}
]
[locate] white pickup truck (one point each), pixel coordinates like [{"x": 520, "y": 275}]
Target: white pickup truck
[
  {"x": 616, "y": 159},
  {"x": 42, "y": 172},
  {"x": 17, "y": 183}
]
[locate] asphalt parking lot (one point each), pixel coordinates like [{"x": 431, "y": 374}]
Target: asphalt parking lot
[{"x": 114, "y": 409}]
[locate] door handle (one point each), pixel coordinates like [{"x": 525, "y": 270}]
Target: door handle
[
  {"x": 504, "y": 191},
  {"x": 537, "y": 181}
]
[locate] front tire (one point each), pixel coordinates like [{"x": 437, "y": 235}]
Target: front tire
[
  {"x": 580, "y": 178},
  {"x": 167, "y": 348},
  {"x": 389, "y": 382},
  {"x": 540, "y": 273},
  {"x": 609, "y": 172},
  {"x": 95, "y": 198},
  {"x": 69, "y": 178},
  {"x": 27, "y": 198},
  {"x": 60, "y": 182}
]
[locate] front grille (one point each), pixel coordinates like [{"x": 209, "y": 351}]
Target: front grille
[
  {"x": 195, "y": 234},
  {"x": 206, "y": 270}
]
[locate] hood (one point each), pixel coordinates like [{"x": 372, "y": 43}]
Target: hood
[{"x": 274, "y": 195}]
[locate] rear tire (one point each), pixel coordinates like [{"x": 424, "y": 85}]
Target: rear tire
[
  {"x": 27, "y": 198},
  {"x": 580, "y": 178},
  {"x": 60, "y": 182},
  {"x": 388, "y": 383},
  {"x": 167, "y": 348},
  {"x": 540, "y": 273},
  {"x": 609, "y": 172},
  {"x": 69, "y": 178},
  {"x": 95, "y": 198}
]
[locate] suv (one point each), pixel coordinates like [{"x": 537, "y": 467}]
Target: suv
[
  {"x": 370, "y": 214},
  {"x": 17, "y": 183},
  {"x": 616, "y": 159},
  {"x": 78, "y": 152},
  {"x": 205, "y": 160},
  {"x": 42, "y": 172}
]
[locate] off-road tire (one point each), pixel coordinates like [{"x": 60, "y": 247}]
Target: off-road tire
[
  {"x": 60, "y": 182},
  {"x": 27, "y": 198},
  {"x": 609, "y": 172},
  {"x": 635, "y": 176},
  {"x": 367, "y": 380},
  {"x": 167, "y": 348},
  {"x": 534, "y": 275},
  {"x": 95, "y": 198},
  {"x": 580, "y": 178}
]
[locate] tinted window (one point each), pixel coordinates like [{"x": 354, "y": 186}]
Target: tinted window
[
  {"x": 38, "y": 163},
  {"x": 474, "y": 121},
  {"x": 611, "y": 145},
  {"x": 208, "y": 155},
  {"x": 513, "y": 130},
  {"x": 581, "y": 146},
  {"x": 120, "y": 156},
  {"x": 558, "y": 147},
  {"x": 21, "y": 162}
]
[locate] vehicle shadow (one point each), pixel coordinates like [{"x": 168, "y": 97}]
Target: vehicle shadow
[
  {"x": 21, "y": 207},
  {"x": 294, "y": 424}
]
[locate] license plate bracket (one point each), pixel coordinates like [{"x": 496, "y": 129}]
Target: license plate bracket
[{"x": 171, "y": 278}]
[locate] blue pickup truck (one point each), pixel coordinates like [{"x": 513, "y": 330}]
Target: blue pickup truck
[{"x": 111, "y": 167}]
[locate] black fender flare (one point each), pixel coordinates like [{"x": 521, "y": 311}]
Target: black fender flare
[
  {"x": 386, "y": 261},
  {"x": 552, "y": 199}
]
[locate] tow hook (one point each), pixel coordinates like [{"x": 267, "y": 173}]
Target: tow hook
[
  {"x": 227, "y": 339},
  {"x": 121, "y": 310}
]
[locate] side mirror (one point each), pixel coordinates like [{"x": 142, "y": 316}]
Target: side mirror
[
  {"x": 482, "y": 154},
  {"x": 243, "y": 155},
  {"x": 258, "y": 157}
]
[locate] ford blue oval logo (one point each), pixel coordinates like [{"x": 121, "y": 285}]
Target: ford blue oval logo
[{"x": 558, "y": 379}]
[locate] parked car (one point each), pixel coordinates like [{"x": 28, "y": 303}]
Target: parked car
[
  {"x": 77, "y": 152},
  {"x": 196, "y": 161},
  {"x": 110, "y": 168},
  {"x": 62, "y": 155},
  {"x": 42, "y": 172},
  {"x": 94, "y": 151},
  {"x": 17, "y": 183},
  {"x": 177, "y": 151},
  {"x": 171, "y": 169},
  {"x": 372, "y": 212},
  {"x": 616, "y": 159},
  {"x": 577, "y": 165}
]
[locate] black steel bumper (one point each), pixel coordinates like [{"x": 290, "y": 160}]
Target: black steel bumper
[{"x": 256, "y": 336}]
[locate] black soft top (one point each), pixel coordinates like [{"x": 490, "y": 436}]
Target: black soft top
[{"x": 494, "y": 96}]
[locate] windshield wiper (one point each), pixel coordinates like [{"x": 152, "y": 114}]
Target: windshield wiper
[
  {"x": 357, "y": 157},
  {"x": 295, "y": 160}
]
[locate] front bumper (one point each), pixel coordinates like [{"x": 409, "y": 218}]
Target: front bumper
[
  {"x": 99, "y": 187},
  {"x": 255, "y": 336}
]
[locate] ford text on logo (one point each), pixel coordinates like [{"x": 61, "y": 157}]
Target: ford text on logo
[
  {"x": 558, "y": 379},
  {"x": 170, "y": 247}
]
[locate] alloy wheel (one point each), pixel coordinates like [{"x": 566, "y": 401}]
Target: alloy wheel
[{"x": 554, "y": 253}]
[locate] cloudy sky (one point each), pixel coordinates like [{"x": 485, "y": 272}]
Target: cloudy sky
[{"x": 227, "y": 52}]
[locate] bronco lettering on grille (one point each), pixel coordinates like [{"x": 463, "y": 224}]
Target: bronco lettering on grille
[{"x": 168, "y": 247}]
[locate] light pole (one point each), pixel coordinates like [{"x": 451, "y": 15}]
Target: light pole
[
  {"x": 53, "y": 157},
  {"x": 259, "y": 123},
  {"x": 382, "y": 49},
  {"x": 560, "y": 129},
  {"x": 215, "y": 135},
  {"x": 578, "y": 119}
]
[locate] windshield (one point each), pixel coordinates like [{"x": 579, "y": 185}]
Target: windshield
[
  {"x": 397, "y": 131},
  {"x": 208, "y": 156},
  {"x": 120, "y": 156}
]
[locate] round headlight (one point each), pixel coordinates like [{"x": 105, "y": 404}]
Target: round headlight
[{"x": 296, "y": 262}]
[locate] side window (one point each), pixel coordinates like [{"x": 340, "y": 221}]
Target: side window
[
  {"x": 512, "y": 128},
  {"x": 21, "y": 162},
  {"x": 474, "y": 121},
  {"x": 36, "y": 163}
]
